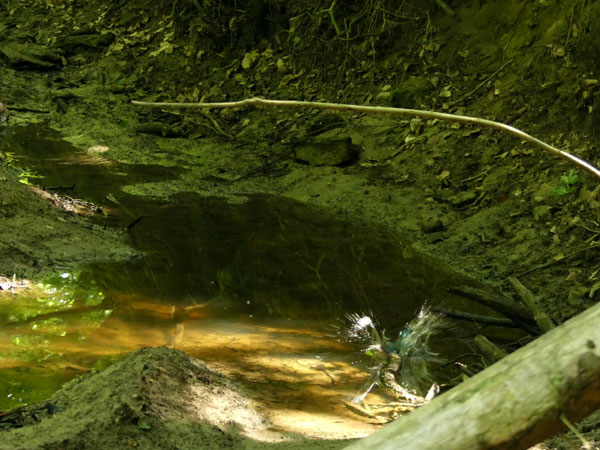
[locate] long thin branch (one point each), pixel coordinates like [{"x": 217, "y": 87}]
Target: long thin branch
[
  {"x": 257, "y": 101},
  {"x": 489, "y": 320}
]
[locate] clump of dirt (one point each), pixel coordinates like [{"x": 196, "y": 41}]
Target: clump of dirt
[{"x": 152, "y": 398}]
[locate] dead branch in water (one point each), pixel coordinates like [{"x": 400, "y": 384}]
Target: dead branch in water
[{"x": 257, "y": 101}]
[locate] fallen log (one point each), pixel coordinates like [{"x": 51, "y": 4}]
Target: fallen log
[{"x": 513, "y": 404}]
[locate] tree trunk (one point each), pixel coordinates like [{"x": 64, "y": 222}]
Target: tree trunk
[{"x": 512, "y": 404}]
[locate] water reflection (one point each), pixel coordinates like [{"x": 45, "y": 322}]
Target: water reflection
[{"x": 295, "y": 369}]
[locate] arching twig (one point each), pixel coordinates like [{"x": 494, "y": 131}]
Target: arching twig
[{"x": 257, "y": 101}]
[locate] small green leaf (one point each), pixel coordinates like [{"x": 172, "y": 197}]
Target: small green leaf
[
  {"x": 572, "y": 178},
  {"x": 568, "y": 184},
  {"x": 560, "y": 190}
]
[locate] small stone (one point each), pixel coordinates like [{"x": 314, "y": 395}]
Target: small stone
[
  {"x": 97, "y": 149},
  {"x": 383, "y": 96}
]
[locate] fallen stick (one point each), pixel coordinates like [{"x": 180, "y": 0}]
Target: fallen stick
[
  {"x": 498, "y": 302},
  {"x": 257, "y": 101},
  {"x": 480, "y": 319},
  {"x": 488, "y": 349},
  {"x": 542, "y": 319},
  {"x": 442, "y": 4}
]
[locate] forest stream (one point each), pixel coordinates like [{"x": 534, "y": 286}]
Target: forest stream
[
  {"x": 223, "y": 277},
  {"x": 259, "y": 290}
]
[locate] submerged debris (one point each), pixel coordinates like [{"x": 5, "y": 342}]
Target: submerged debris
[
  {"x": 11, "y": 284},
  {"x": 69, "y": 204}
]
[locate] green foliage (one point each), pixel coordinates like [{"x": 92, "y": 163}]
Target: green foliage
[
  {"x": 26, "y": 175},
  {"x": 8, "y": 158},
  {"x": 568, "y": 184}
]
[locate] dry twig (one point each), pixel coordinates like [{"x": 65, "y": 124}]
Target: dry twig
[
  {"x": 542, "y": 319},
  {"x": 257, "y": 101}
]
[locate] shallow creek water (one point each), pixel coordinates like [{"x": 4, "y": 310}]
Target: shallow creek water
[{"x": 255, "y": 289}]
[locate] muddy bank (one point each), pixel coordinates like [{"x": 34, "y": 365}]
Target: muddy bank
[
  {"x": 37, "y": 237},
  {"x": 152, "y": 398}
]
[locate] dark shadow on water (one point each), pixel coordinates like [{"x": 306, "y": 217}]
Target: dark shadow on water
[
  {"x": 268, "y": 256},
  {"x": 66, "y": 170},
  {"x": 272, "y": 257}
]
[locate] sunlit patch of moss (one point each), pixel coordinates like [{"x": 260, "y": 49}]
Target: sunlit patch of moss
[
  {"x": 37, "y": 315},
  {"x": 26, "y": 175},
  {"x": 56, "y": 293},
  {"x": 42, "y": 321},
  {"x": 8, "y": 158},
  {"x": 31, "y": 348},
  {"x": 54, "y": 326}
]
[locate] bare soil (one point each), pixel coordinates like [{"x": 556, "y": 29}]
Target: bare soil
[{"x": 152, "y": 398}]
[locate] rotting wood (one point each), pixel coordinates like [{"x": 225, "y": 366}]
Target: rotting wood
[
  {"x": 513, "y": 404},
  {"x": 490, "y": 350},
  {"x": 258, "y": 101},
  {"x": 542, "y": 319}
]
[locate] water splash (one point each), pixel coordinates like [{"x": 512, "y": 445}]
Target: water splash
[{"x": 409, "y": 356}]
